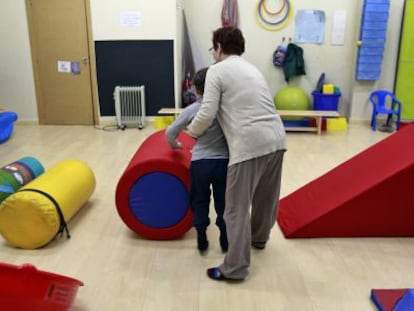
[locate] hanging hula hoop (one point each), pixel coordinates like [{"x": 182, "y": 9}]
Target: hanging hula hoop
[
  {"x": 274, "y": 13},
  {"x": 277, "y": 24}
]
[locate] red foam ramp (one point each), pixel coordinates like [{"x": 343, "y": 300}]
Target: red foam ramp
[{"x": 370, "y": 195}]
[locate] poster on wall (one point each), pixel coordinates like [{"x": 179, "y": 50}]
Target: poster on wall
[
  {"x": 75, "y": 68},
  {"x": 310, "y": 26},
  {"x": 63, "y": 66},
  {"x": 338, "y": 28},
  {"x": 130, "y": 19}
]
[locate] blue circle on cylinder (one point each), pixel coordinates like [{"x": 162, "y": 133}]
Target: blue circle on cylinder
[{"x": 159, "y": 200}]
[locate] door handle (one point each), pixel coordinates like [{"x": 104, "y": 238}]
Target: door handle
[{"x": 85, "y": 60}]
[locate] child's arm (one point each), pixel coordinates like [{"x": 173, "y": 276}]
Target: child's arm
[
  {"x": 174, "y": 130},
  {"x": 209, "y": 107}
]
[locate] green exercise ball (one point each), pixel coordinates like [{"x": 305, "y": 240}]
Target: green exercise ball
[{"x": 292, "y": 98}]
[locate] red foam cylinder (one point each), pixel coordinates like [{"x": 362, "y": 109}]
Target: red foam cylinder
[{"x": 155, "y": 155}]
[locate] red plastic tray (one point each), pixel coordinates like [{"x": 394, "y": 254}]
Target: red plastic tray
[{"x": 25, "y": 288}]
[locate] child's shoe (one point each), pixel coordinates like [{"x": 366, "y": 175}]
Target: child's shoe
[
  {"x": 224, "y": 244},
  {"x": 202, "y": 242}
]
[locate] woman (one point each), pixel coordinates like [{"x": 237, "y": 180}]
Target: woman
[{"x": 238, "y": 95}]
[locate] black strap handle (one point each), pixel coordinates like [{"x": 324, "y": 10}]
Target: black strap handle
[{"x": 63, "y": 225}]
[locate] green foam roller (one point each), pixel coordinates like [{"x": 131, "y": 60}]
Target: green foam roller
[{"x": 17, "y": 174}]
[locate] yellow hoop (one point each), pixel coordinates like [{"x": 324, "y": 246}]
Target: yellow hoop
[
  {"x": 276, "y": 27},
  {"x": 274, "y": 13}
]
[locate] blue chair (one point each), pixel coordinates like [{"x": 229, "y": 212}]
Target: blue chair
[{"x": 385, "y": 102}]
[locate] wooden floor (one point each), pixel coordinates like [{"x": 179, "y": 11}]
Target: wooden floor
[{"x": 123, "y": 271}]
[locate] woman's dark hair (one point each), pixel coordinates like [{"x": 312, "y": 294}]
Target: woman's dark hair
[
  {"x": 231, "y": 40},
  {"x": 200, "y": 79}
]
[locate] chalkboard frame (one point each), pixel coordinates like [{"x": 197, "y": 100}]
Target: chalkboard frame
[{"x": 136, "y": 62}]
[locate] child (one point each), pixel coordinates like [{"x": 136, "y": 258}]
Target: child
[{"x": 208, "y": 168}]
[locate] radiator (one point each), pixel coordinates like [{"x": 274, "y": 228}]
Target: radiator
[{"x": 130, "y": 106}]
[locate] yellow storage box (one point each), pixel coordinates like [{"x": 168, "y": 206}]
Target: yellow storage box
[
  {"x": 328, "y": 89},
  {"x": 161, "y": 123},
  {"x": 336, "y": 124}
]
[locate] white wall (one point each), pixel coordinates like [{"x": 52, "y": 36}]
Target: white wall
[
  {"x": 159, "y": 21},
  {"x": 338, "y": 62},
  {"x": 17, "y": 91}
]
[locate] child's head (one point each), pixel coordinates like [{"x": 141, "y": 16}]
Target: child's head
[{"x": 199, "y": 80}]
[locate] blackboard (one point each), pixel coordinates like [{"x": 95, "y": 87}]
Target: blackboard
[{"x": 136, "y": 62}]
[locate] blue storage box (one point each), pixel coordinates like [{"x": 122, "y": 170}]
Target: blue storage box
[
  {"x": 7, "y": 119},
  {"x": 325, "y": 101},
  {"x": 296, "y": 123}
]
